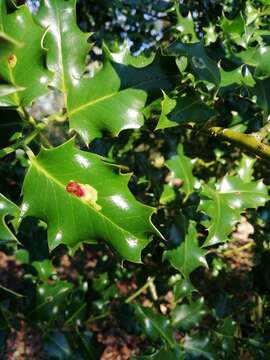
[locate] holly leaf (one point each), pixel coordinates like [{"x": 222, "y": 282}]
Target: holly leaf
[
  {"x": 180, "y": 167},
  {"x": 200, "y": 345},
  {"x": 7, "y": 208},
  {"x": 8, "y": 90},
  {"x": 84, "y": 199},
  {"x": 186, "y": 108},
  {"x": 238, "y": 76},
  {"x": 245, "y": 168},
  {"x": 225, "y": 334},
  {"x": 183, "y": 288},
  {"x": 24, "y": 68},
  {"x": 201, "y": 65},
  {"x": 114, "y": 98},
  {"x": 234, "y": 29},
  {"x": 164, "y": 353},
  {"x": 186, "y": 316},
  {"x": 225, "y": 203},
  {"x": 66, "y": 43},
  {"x": 261, "y": 93},
  {"x": 185, "y": 25},
  {"x": 7, "y": 44},
  {"x": 51, "y": 299},
  {"x": 258, "y": 58},
  {"x": 188, "y": 256},
  {"x": 155, "y": 325}
]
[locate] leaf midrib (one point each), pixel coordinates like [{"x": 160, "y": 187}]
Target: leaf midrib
[
  {"x": 35, "y": 163},
  {"x": 189, "y": 187},
  {"x": 184, "y": 108},
  {"x": 59, "y": 40},
  {"x": 160, "y": 330},
  {"x": 133, "y": 87}
]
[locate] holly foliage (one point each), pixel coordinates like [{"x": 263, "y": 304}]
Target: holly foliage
[{"x": 134, "y": 179}]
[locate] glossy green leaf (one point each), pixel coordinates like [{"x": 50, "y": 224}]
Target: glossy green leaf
[
  {"x": 22, "y": 256},
  {"x": 155, "y": 325},
  {"x": 114, "y": 98},
  {"x": 7, "y": 44},
  {"x": 183, "y": 288},
  {"x": 113, "y": 215},
  {"x": 188, "y": 255},
  {"x": 185, "y": 26},
  {"x": 8, "y": 90},
  {"x": 44, "y": 268},
  {"x": 234, "y": 29},
  {"x": 186, "y": 316},
  {"x": 25, "y": 68},
  {"x": 168, "y": 194},
  {"x": 261, "y": 93},
  {"x": 188, "y": 107},
  {"x": 259, "y": 58},
  {"x": 200, "y": 346},
  {"x": 225, "y": 333},
  {"x": 164, "y": 353},
  {"x": 57, "y": 346},
  {"x": 7, "y": 208},
  {"x": 66, "y": 43},
  {"x": 51, "y": 299},
  {"x": 124, "y": 57},
  {"x": 201, "y": 65},
  {"x": 245, "y": 168},
  {"x": 238, "y": 76},
  {"x": 225, "y": 203},
  {"x": 211, "y": 34},
  {"x": 180, "y": 167}
]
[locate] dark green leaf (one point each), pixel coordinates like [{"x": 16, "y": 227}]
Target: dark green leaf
[
  {"x": 114, "y": 98},
  {"x": 245, "y": 168},
  {"x": 239, "y": 76},
  {"x": 180, "y": 168},
  {"x": 261, "y": 93},
  {"x": 185, "y": 26},
  {"x": 234, "y": 28},
  {"x": 51, "y": 299},
  {"x": 7, "y": 208},
  {"x": 188, "y": 256},
  {"x": 202, "y": 66},
  {"x": 44, "y": 269},
  {"x": 174, "y": 354},
  {"x": 155, "y": 325},
  {"x": 225, "y": 333},
  {"x": 200, "y": 346},
  {"x": 259, "y": 58},
  {"x": 183, "y": 288},
  {"x": 7, "y": 44},
  {"x": 25, "y": 68},
  {"x": 186, "y": 316},
  {"x": 188, "y": 107},
  {"x": 226, "y": 202},
  {"x": 107, "y": 212}
]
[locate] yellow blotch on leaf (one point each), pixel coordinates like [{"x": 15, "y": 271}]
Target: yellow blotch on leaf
[{"x": 91, "y": 196}]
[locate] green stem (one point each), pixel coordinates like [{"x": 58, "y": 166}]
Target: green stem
[
  {"x": 11, "y": 291},
  {"x": 263, "y": 132},
  {"x": 76, "y": 313},
  {"x": 98, "y": 317},
  {"x": 46, "y": 141},
  {"x": 23, "y": 142},
  {"x": 248, "y": 142},
  {"x": 149, "y": 283},
  {"x": 238, "y": 250}
]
